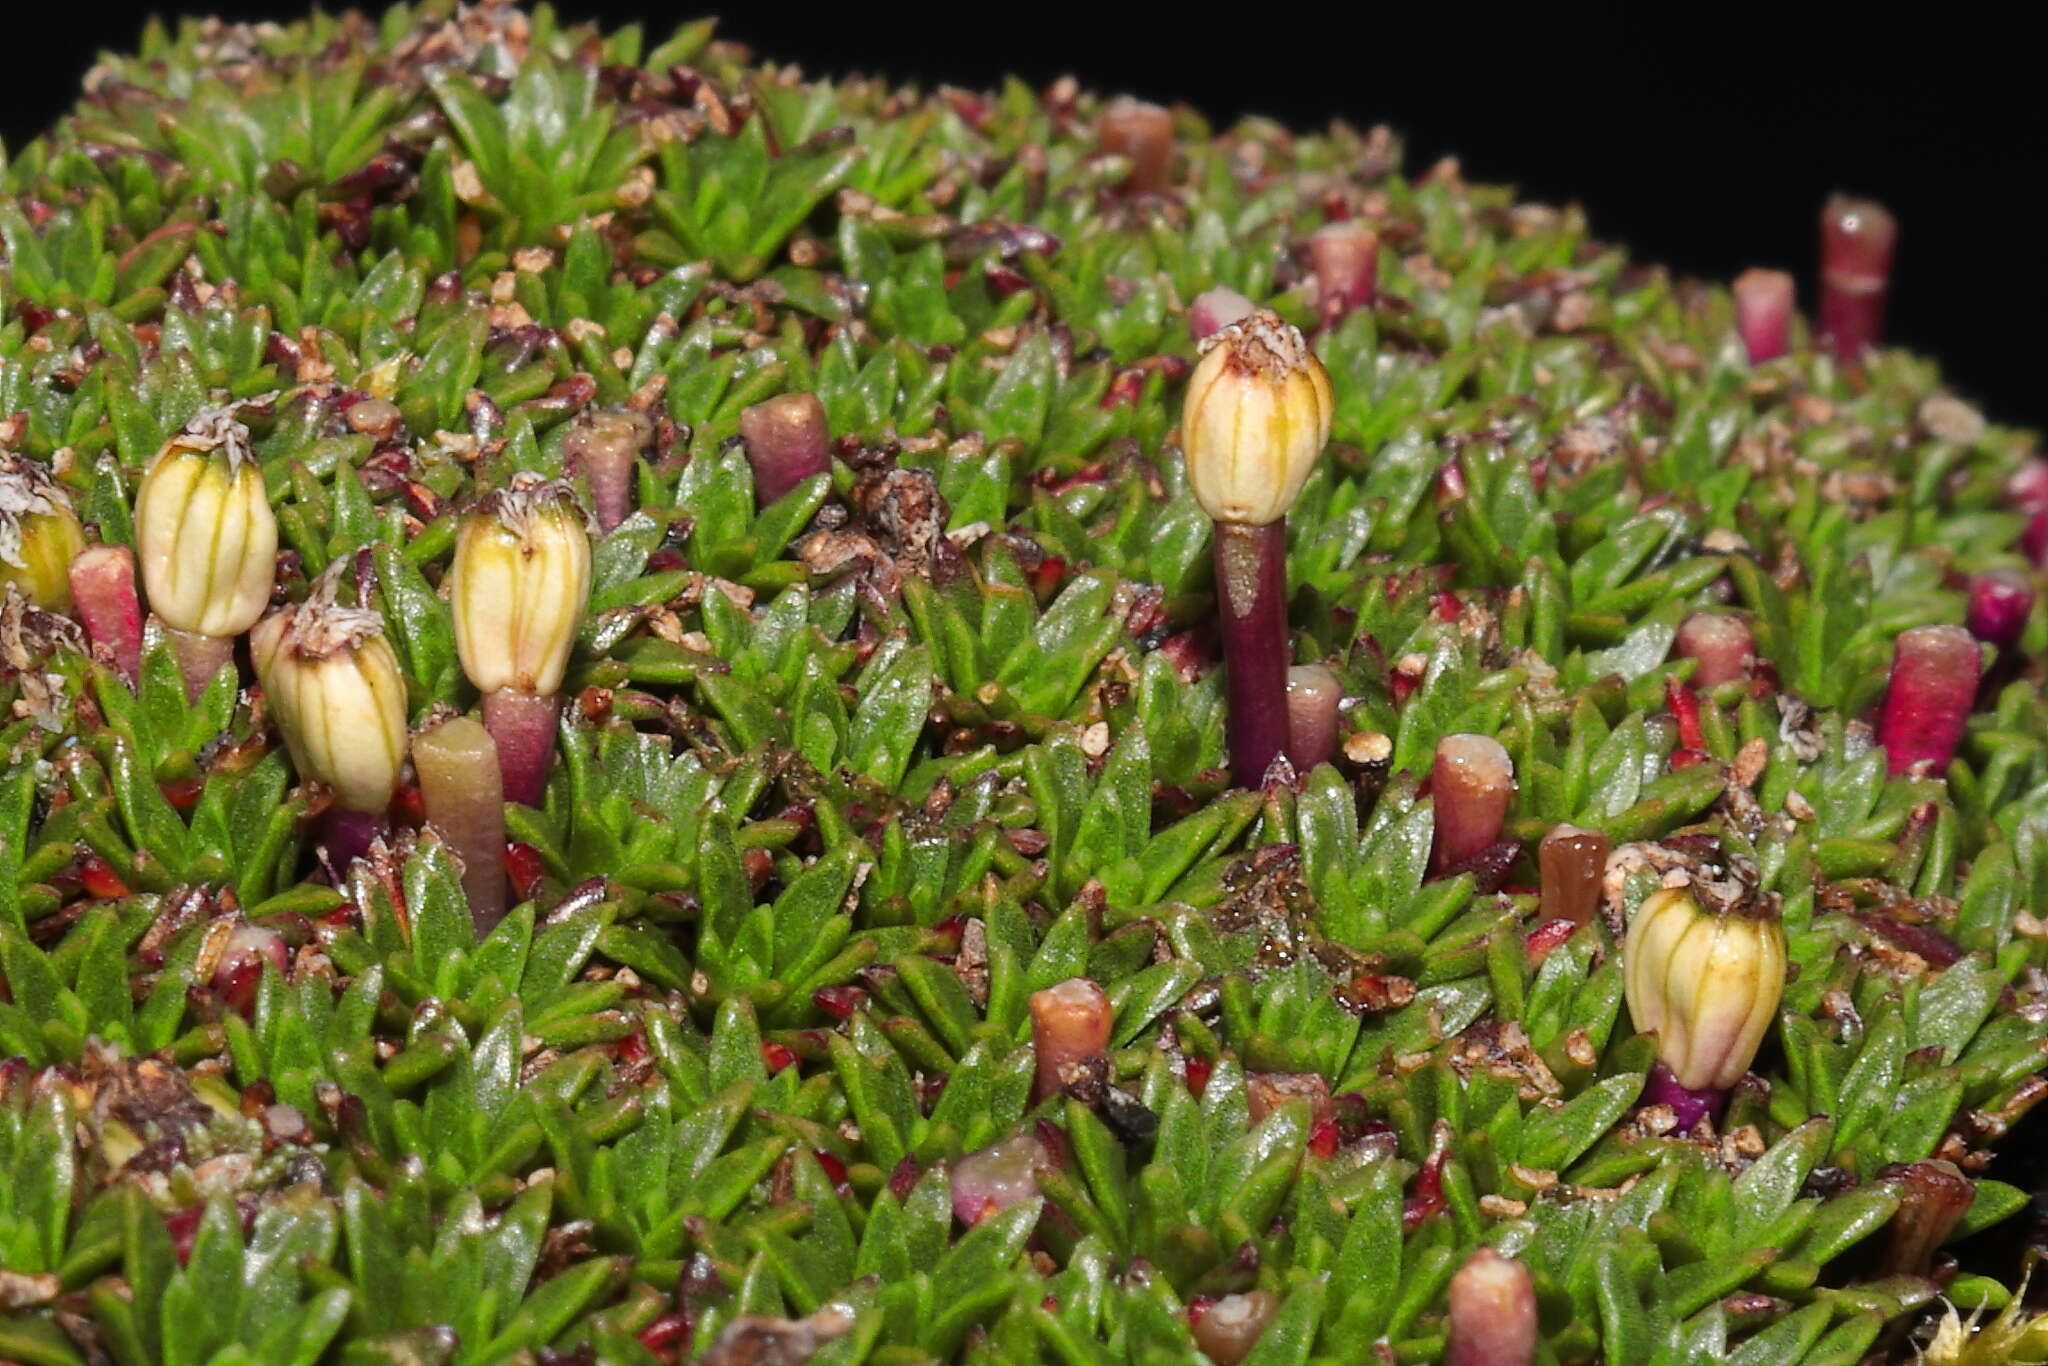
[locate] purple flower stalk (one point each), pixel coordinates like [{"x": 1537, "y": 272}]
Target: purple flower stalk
[
  {"x": 1688, "y": 1104},
  {"x": 1721, "y": 645},
  {"x": 460, "y": 783},
  {"x": 1763, "y": 313},
  {"x": 1471, "y": 785},
  {"x": 1251, "y": 580},
  {"x": 2001, "y": 600},
  {"x": 103, "y": 597},
  {"x": 1856, "y": 241},
  {"x": 1935, "y": 671},
  {"x": 787, "y": 442}
]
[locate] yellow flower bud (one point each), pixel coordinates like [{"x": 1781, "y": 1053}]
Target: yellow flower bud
[
  {"x": 1257, "y": 417},
  {"x": 333, "y": 684},
  {"x": 39, "y": 534},
  {"x": 204, "y": 532},
  {"x": 1706, "y": 984},
  {"x": 519, "y": 584}
]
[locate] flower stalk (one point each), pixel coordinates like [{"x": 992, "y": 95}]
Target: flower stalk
[
  {"x": 1763, "y": 313},
  {"x": 39, "y": 534},
  {"x": 206, "y": 542},
  {"x": 1706, "y": 983},
  {"x": 605, "y": 449},
  {"x": 1935, "y": 672},
  {"x": 1721, "y": 646},
  {"x": 1471, "y": 784},
  {"x": 1314, "y": 702},
  {"x": 1492, "y": 1313},
  {"x": 1344, "y": 257},
  {"x": 519, "y": 583},
  {"x": 463, "y": 789},
  {"x": 1229, "y": 1329},
  {"x": 106, "y": 604},
  {"x": 788, "y": 441},
  {"x": 1856, "y": 241},
  {"x": 2001, "y": 600},
  {"x": 1256, "y": 420},
  {"x": 1573, "y": 863},
  {"x": 1215, "y": 309},
  {"x": 1069, "y": 1034}
]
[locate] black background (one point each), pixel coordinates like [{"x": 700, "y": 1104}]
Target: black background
[{"x": 1703, "y": 137}]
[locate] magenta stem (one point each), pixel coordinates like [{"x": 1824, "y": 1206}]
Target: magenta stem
[
  {"x": 348, "y": 835},
  {"x": 524, "y": 728},
  {"x": 1935, "y": 671},
  {"x": 1856, "y": 240},
  {"x": 200, "y": 658},
  {"x": 2001, "y": 600},
  {"x": 103, "y": 595},
  {"x": 1251, "y": 590},
  {"x": 1688, "y": 1105},
  {"x": 1763, "y": 313}
]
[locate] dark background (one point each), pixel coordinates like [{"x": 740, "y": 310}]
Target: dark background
[{"x": 1709, "y": 147}]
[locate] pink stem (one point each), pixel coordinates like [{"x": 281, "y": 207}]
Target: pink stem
[
  {"x": 1763, "y": 313},
  {"x": 1069, "y": 1032},
  {"x": 1574, "y": 867},
  {"x": 787, "y": 442},
  {"x": 1345, "y": 257},
  {"x": 1688, "y": 1104},
  {"x": 103, "y": 595},
  {"x": 524, "y": 728},
  {"x": 1313, "y": 695},
  {"x": 1143, "y": 134},
  {"x": 1215, "y": 309},
  {"x": 1722, "y": 647},
  {"x": 1251, "y": 588},
  {"x": 1935, "y": 671},
  {"x": 1856, "y": 240},
  {"x": 348, "y": 835},
  {"x": 1472, "y": 782},
  {"x": 200, "y": 658},
  {"x": 464, "y": 792},
  {"x": 2001, "y": 600},
  {"x": 1493, "y": 1313}
]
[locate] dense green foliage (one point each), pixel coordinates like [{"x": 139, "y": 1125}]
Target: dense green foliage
[{"x": 849, "y": 776}]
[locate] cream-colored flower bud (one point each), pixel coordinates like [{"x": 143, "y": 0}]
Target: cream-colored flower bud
[
  {"x": 333, "y": 684},
  {"x": 1706, "y": 984},
  {"x": 519, "y": 584},
  {"x": 1256, "y": 419},
  {"x": 39, "y": 534},
  {"x": 205, "y": 536}
]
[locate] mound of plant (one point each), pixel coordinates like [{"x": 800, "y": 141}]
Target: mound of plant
[{"x": 661, "y": 710}]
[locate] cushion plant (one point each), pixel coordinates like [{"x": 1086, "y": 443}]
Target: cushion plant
[{"x": 894, "y": 968}]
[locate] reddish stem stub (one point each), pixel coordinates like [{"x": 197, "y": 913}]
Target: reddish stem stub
[
  {"x": 1251, "y": 590},
  {"x": 1345, "y": 258},
  {"x": 605, "y": 448},
  {"x": 1763, "y": 313},
  {"x": 1492, "y": 1313},
  {"x": 1935, "y": 671},
  {"x": 462, "y": 786},
  {"x": 788, "y": 441},
  {"x": 104, "y": 599},
  {"x": 1856, "y": 241},
  {"x": 1314, "y": 697},
  {"x": 523, "y": 726},
  {"x": 1573, "y": 862},
  {"x": 1142, "y": 133},
  {"x": 1721, "y": 646},
  {"x": 1933, "y": 1198},
  {"x": 1471, "y": 783},
  {"x": 1688, "y": 1104},
  {"x": 349, "y": 835},
  {"x": 2001, "y": 600},
  {"x": 1069, "y": 1031},
  {"x": 1215, "y": 309},
  {"x": 1231, "y": 1326}
]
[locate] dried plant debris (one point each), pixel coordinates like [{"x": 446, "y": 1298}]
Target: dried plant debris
[{"x": 893, "y": 971}]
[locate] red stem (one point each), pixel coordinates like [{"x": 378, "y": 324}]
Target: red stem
[
  {"x": 2001, "y": 600},
  {"x": 1573, "y": 863},
  {"x": 524, "y": 728},
  {"x": 1688, "y": 1104},
  {"x": 1251, "y": 589},
  {"x": 1142, "y": 133},
  {"x": 1722, "y": 647},
  {"x": 1856, "y": 240},
  {"x": 464, "y": 792},
  {"x": 103, "y": 595},
  {"x": 1763, "y": 313},
  {"x": 1471, "y": 784},
  {"x": 1934, "y": 677},
  {"x": 1069, "y": 1027},
  {"x": 606, "y": 451}
]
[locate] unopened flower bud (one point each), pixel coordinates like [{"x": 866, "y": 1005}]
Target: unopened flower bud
[
  {"x": 998, "y": 1177},
  {"x": 1493, "y": 1313},
  {"x": 204, "y": 531},
  {"x": 1257, "y": 417},
  {"x": 39, "y": 534},
  {"x": 1705, "y": 983},
  {"x": 518, "y": 584},
  {"x": 334, "y": 685}
]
